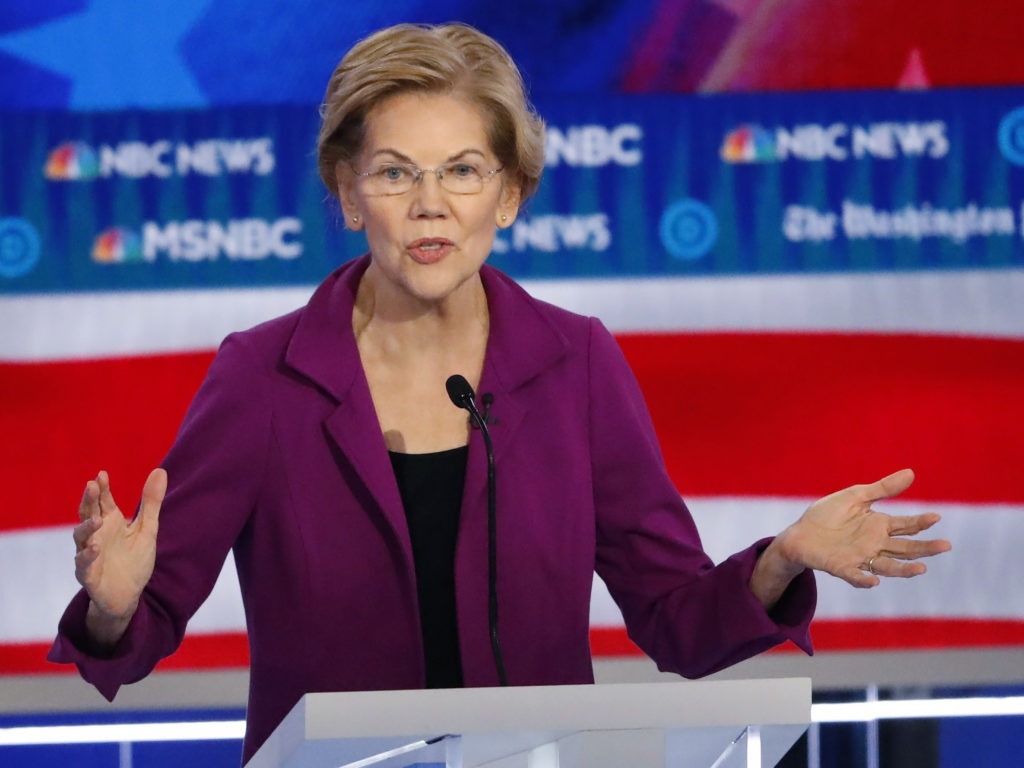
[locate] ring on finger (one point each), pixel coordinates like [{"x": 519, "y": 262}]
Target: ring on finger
[{"x": 871, "y": 565}]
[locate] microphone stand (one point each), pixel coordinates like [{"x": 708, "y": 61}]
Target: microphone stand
[{"x": 461, "y": 394}]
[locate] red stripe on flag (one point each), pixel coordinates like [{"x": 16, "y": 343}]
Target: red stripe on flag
[
  {"x": 612, "y": 641},
  {"x": 231, "y": 650},
  {"x": 914, "y": 634},
  {"x": 197, "y": 652},
  {"x": 805, "y": 414},
  {"x": 832, "y": 635},
  {"x": 63, "y": 422},
  {"x": 737, "y": 414}
]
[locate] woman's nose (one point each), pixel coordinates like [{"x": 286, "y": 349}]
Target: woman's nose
[{"x": 429, "y": 198}]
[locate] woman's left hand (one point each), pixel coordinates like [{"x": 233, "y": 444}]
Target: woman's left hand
[{"x": 842, "y": 535}]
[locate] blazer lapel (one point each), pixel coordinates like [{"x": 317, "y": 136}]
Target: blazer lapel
[
  {"x": 521, "y": 344},
  {"x": 323, "y": 349},
  {"x": 360, "y": 442}
]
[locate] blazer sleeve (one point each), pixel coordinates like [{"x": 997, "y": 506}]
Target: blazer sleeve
[
  {"x": 691, "y": 616},
  {"x": 214, "y": 470}
]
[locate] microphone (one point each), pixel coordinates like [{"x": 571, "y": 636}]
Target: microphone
[{"x": 461, "y": 394}]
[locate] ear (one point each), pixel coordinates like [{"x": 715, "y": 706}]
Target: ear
[
  {"x": 508, "y": 205},
  {"x": 348, "y": 196}
]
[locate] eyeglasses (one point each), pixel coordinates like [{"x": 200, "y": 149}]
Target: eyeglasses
[{"x": 459, "y": 178}]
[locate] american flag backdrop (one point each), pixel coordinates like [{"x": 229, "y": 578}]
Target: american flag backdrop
[
  {"x": 766, "y": 393},
  {"x": 814, "y": 288}
]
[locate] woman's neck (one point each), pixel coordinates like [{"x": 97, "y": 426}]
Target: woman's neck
[
  {"x": 408, "y": 350},
  {"x": 399, "y": 323}
]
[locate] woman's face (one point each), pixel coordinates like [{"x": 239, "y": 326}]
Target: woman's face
[{"x": 428, "y": 242}]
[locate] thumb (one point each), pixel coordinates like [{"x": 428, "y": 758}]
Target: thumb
[
  {"x": 891, "y": 485},
  {"x": 152, "y": 497}
]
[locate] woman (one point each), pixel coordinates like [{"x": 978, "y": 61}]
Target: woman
[{"x": 323, "y": 449}]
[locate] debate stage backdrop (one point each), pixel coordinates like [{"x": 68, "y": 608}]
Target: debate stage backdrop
[{"x": 803, "y": 221}]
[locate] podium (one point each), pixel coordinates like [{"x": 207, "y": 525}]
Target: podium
[{"x": 714, "y": 724}]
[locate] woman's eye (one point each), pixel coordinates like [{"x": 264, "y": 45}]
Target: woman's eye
[
  {"x": 462, "y": 170},
  {"x": 392, "y": 173}
]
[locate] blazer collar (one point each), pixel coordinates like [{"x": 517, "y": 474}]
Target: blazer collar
[
  {"x": 521, "y": 344},
  {"x": 323, "y": 347}
]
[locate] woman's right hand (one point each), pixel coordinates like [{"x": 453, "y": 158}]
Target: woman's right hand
[{"x": 115, "y": 557}]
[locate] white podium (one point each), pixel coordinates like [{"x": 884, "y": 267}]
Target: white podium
[{"x": 721, "y": 724}]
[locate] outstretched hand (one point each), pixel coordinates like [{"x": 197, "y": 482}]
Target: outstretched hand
[
  {"x": 842, "y": 535},
  {"x": 114, "y": 556}
]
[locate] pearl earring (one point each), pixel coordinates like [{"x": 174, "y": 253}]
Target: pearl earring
[{"x": 504, "y": 217}]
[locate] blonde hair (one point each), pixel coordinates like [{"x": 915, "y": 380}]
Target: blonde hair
[{"x": 445, "y": 58}]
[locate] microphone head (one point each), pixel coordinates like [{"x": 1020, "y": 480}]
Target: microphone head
[{"x": 459, "y": 391}]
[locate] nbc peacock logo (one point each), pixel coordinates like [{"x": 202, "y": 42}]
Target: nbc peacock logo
[
  {"x": 749, "y": 144},
  {"x": 72, "y": 161},
  {"x": 117, "y": 246}
]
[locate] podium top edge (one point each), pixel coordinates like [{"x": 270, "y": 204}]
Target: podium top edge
[{"x": 668, "y": 705}]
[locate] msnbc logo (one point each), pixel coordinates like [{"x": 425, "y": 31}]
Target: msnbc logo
[
  {"x": 71, "y": 161},
  {"x": 116, "y": 246},
  {"x": 196, "y": 240},
  {"x": 748, "y": 144}
]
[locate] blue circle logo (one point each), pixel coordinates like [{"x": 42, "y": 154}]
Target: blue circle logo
[
  {"x": 689, "y": 229},
  {"x": 1011, "y": 136},
  {"x": 19, "y": 247}
]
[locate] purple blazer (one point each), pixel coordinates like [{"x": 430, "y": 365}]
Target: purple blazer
[{"x": 281, "y": 458}]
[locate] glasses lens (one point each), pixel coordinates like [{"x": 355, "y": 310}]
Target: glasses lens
[
  {"x": 391, "y": 179},
  {"x": 461, "y": 178}
]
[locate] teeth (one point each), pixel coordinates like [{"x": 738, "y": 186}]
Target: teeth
[{"x": 430, "y": 247}]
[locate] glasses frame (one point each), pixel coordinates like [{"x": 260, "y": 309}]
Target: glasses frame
[{"x": 418, "y": 174}]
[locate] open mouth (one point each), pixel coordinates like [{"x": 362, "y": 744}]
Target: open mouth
[{"x": 428, "y": 250}]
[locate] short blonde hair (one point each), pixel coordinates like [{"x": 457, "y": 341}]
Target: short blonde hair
[{"x": 445, "y": 58}]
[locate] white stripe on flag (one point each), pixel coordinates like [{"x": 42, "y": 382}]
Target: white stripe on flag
[
  {"x": 980, "y": 303},
  {"x": 37, "y": 571},
  {"x": 975, "y": 580},
  {"x": 37, "y": 579}
]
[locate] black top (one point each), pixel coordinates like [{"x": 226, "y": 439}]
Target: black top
[{"x": 431, "y": 488}]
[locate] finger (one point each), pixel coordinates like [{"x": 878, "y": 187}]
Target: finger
[
  {"x": 83, "y": 562},
  {"x": 86, "y": 557},
  {"x": 84, "y": 531},
  {"x": 891, "y": 567},
  {"x": 912, "y": 524},
  {"x": 152, "y": 497},
  {"x": 89, "y": 506},
  {"x": 889, "y": 486},
  {"x": 106, "y": 499},
  {"x": 859, "y": 578},
  {"x": 913, "y": 549}
]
